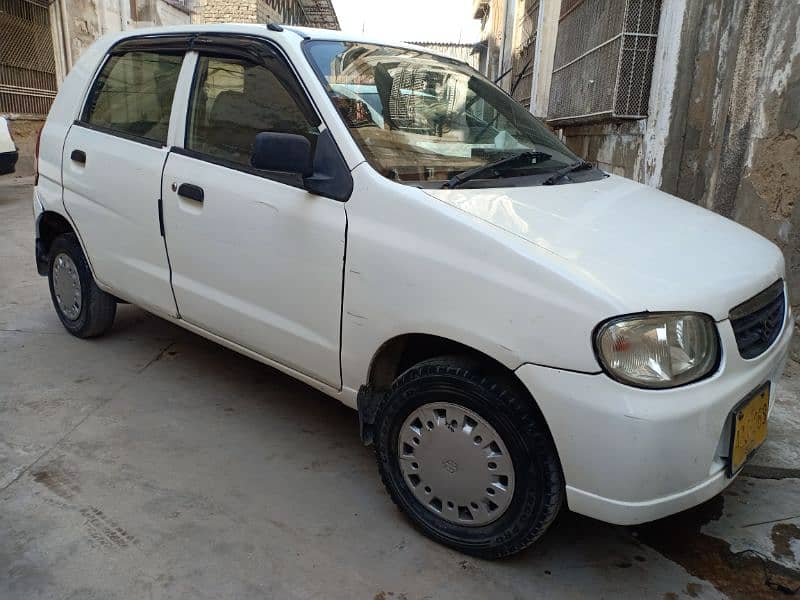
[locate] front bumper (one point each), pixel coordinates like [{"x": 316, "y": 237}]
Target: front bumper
[{"x": 631, "y": 455}]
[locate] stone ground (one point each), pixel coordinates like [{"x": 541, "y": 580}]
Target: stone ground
[{"x": 152, "y": 463}]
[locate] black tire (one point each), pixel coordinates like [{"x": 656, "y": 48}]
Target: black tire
[
  {"x": 98, "y": 308},
  {"x": 497, "y": 398}
]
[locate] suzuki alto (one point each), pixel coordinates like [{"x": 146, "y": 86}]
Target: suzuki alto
[{"x": 518, "y": 330}]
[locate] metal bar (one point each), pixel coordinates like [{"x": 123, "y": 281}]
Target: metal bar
[
  {"x": 610, "y": 113},
  {"x": 606, "y": 43},
  {"x": 15, "y": 89},
  {"x": 620, "y": 56},
  {"x": 40, "y": 3},
  {"x": 583, "y": 116}
]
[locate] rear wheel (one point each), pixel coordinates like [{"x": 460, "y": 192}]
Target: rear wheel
[
  {"x": 467, "y": 456},
  {"x": 83, "y": 308}
]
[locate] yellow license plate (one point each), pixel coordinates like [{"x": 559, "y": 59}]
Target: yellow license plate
[{"x": 749, "y": 427}]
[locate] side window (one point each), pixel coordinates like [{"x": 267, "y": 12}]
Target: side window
[
  {"x": 233, "y": 100},
  {"x": 133, "y": 94}
]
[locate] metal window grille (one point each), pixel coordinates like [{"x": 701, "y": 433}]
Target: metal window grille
[
  {"x": 522, "y": 60},
  {"x": 422, "y": 100},
  {"x": 603, "y": 60},
  {"x": 27, "y": 64},
  {"x": 309, "y": 13}
]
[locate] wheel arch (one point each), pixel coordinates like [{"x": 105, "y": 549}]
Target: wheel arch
[
  {"x": 49, "y": 225},
  {"x": 402, "y": 352}
]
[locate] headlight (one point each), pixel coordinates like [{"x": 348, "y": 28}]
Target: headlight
[{"x": 658, "y": 350}]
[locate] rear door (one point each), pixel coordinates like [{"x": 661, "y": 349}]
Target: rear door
[
  {"x": 112, "y": 165},
  {"x": 255, "y": 258}
]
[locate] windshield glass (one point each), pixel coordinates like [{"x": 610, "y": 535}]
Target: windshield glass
[{"x": 420, "y": 118}]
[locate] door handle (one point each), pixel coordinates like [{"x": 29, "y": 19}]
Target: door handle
[
  {"x": 79, "y": 156},
  {"x": 191, "y": 191}
]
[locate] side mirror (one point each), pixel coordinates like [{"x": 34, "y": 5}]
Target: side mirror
[
  {"x": 284, "y": 152},
  {"x": 324, "y": 172}
]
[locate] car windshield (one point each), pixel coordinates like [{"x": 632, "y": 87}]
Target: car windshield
[{"x": 421, "y": 118}]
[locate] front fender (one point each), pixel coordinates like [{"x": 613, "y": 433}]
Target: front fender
[{"x": 415, "y": 264}]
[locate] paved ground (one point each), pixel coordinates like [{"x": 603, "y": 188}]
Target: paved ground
[{"x": 154, "y": 464}]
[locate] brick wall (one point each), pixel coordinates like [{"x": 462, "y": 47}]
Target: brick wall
[{"x": 233, "y": 11}]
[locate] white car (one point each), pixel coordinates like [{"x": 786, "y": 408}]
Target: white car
[
  {"x": 518, "y": 330},
  {"x": 8, "y": 149}
]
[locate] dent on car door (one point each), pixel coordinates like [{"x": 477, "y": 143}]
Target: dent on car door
[
  {"x": 112, "y": 163},
  {"x": 255, "y": 258}
]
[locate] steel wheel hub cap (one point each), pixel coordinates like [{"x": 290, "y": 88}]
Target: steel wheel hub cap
[
  {"x": 456, "y": 464},
  {"x": 67, "y": 286}
]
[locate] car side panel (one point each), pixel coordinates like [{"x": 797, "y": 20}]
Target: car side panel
[
  {"x": 64, "y": 110},
  {"x": 257, "y": 262},
  {"x": 417, "y": 265},
  {"x": 113, "y": 199}
]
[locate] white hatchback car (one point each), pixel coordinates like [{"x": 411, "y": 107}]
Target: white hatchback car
[{"x": 517, "y": 329}]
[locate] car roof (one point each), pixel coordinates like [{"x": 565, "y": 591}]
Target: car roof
[{"x": 262, "y": 30}]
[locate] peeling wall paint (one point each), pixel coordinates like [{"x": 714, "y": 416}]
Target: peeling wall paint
[
  {"x": 665, "y": 72},
  {"x": 737, "y": 150}
]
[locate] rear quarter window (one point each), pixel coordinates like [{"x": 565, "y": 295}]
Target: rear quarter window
[{"x": 133, "y": 94}]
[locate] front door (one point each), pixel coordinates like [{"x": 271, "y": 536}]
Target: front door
[
  {"x": 112, "y": 164},
  {"x": 255, "y": 258}
]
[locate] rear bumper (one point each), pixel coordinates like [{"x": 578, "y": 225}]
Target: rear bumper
[
  {"x": 631, "y": 455},
  {"x": 8, "y": 162}
]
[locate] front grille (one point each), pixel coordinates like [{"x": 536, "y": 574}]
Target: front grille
[{"x": 757, "y": 322}]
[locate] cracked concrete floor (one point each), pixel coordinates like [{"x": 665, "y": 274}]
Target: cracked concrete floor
[{"x": 152, "y": 463}]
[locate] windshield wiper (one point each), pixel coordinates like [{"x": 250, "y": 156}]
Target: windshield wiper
[
  {"x": 508, "y": 161},
  {"x": 578, "y": 166}
]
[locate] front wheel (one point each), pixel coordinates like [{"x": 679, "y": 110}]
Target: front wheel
[
  {"x": 83, "y": 308},
  {"x": 468, "y": 457}
]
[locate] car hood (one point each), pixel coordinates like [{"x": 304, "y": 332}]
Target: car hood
[{"x": 644, "y": 249}]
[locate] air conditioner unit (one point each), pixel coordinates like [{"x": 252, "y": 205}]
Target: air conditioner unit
[{"x": 603, "y": 61}]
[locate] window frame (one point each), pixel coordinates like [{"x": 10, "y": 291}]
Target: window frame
[
  {"x": 230, "y": 45},
  {"x": 519, "y": 181},
  {"x": 296, "y": 90},
  {"x": 253, "y": 47},
  {"x": 83, "y": 118}
]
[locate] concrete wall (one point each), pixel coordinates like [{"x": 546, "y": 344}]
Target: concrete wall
[
  {"x": 167, "y": 14},
  {"x": 87, "y": 20},
  {"x": 614, "y": 147},
  {"x": 734, "y": 141},
  {"x": 83, "y": 21}
]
